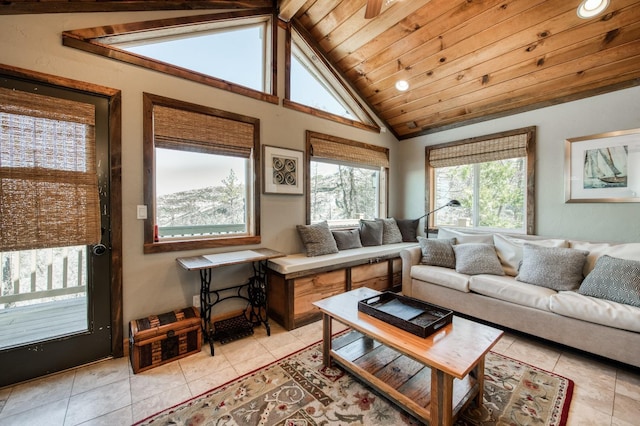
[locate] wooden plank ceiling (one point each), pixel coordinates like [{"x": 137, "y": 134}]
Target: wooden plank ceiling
[
  {"x": 465, "y": 60},
  {"x": 470, "y": 60}
]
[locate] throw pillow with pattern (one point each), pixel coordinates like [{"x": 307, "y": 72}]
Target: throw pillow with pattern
[
  {"x": 437, "y": 252},
  {"x": 614, "y": 279},
  {"x": 390, "y": 232},
  {"x": 477, "y": 258},
  {"x": 557, "y": 268},
  {"x": 317, "y": 239}
]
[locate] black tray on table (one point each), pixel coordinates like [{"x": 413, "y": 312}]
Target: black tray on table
[{"x": 412, "y": 315}]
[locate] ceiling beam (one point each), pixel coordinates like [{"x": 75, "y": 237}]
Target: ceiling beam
[
  {"x": 289, "y": 8},
  {"x": 18, "y": 7}
]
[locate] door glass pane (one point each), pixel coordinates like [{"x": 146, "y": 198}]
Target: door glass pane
[{"x": 43, "y": 294}]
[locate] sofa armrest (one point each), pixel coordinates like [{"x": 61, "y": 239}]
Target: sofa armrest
[{"x": 410, "y": 256}]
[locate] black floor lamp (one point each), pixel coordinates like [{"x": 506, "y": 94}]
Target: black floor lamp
[{"x": 452, "y": 203}]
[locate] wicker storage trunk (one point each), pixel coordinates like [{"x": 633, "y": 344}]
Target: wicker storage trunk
[{"x": 159, "y": 339}]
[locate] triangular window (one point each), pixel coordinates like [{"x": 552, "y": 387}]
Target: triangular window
[
  {"x": 232, "y": 53},
  {"x": 314, "y": 84},
  {"x": 235, "y": 54}
]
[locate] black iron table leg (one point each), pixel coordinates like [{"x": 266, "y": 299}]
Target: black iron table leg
[
  {"x": 254, "y": 292},
  {"x": 258, "y": 295},
  {"x": 206, "y": 306}
]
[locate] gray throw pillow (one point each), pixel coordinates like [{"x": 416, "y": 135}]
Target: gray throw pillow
[
  {"x": 614, "y": 279},
  {"x": 390, "y": 232},
  {"x": 347, "y": 239},
  {"x": 557, "y": 268},
  {"x": 437, "y": 252},
  {"x": 477, "y": 258},
  {"x": 317, "y": 239},
  {"x": 408, "y": 229},
  {"x": 371, "y": 232}
]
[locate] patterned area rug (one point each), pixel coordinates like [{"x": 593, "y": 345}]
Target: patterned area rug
[{"x": 298, "y": 391}]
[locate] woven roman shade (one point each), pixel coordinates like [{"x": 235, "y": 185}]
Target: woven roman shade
[
  {"x": 192, "y": 131},
  {"x": 337, "y": 149},
  {"x": 48, "y": 180},
  {"x": 479, "y": 152}
]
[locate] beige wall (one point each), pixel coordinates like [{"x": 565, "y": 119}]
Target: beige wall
[
  {"x": 617, "y": 222},
  {"x": 155, "y": 283}
]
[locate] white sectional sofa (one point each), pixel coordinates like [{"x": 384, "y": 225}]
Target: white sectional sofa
[{"x": 595, "y": 324}]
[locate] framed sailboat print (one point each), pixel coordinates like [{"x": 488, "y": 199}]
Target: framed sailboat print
[{"x": 603, "y": 168}]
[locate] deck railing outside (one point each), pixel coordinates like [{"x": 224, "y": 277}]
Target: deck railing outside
[
  {"x": 36, "y": 276},
  {"x": 45, "y": 275},
  {"x": 195, "y": 230}
]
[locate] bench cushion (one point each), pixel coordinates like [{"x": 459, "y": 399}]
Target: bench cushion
[{"x": 300, "y": 262}]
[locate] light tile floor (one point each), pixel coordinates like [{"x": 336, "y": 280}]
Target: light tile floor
[{"x": 108, "y": 393}]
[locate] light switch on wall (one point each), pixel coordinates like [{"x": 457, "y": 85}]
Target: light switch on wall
[{"x": 142, "y": 212}]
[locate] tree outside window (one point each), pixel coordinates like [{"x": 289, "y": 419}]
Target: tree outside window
[
  {"x": 347, "y": 180},
  {"x": 342, "y": 193},
  {"x": 491, "y": 176},
  {"x": 500, "y": 194}
]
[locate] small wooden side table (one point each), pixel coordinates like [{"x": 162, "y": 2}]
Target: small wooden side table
[{"x": 256, "y": 286}]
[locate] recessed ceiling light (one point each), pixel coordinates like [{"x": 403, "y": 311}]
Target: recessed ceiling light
[
  {"x": 402, "y": 85},
  {"x": 590, "y": 8}
]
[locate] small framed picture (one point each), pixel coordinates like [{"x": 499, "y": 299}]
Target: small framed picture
[
  {"x": 603, "y": 168},
  {"x": 283, "y": 171}
]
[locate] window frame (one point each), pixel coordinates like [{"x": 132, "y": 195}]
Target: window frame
[
  {"x": 329, "y": 73},
  {"x": 529, "y": 210},
  {"x": 193, "y": 243},
  {"x": 383, "y": 195},
  {"x": 96, "y": 40}
]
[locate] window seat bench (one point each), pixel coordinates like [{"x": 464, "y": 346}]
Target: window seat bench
[{"x": 296, "y": 281}]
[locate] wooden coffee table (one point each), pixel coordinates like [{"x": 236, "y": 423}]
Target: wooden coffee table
[{"x": 432, "y": 378}]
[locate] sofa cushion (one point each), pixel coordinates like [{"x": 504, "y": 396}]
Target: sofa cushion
[
  {"x": 441, "y": 276},
  {"x": 553, "y": 267},
  {"x": 614, "y": 279},
  {"x": 509, "y": 250},
  {"x": 437, "y": 252},
  {"x": 347, "y": 239},
  {"x": 629, "y": 251},
  {"x": 390, "y": 232},
  {"x": 408, "y": 229},
  {"x": 477, "y": 258},
  {"x": 508, "y": 289},
  {"x": 599, "y": 311},
  {"x": 463, "y": 237},
  {"x": 371, "y": 232},
  {"x": 317, "y": 239}
]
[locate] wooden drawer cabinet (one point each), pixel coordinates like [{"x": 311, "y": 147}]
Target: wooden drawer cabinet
[
  {"x": 375, "y": 276},
  {"x": 291, "y": 296}
]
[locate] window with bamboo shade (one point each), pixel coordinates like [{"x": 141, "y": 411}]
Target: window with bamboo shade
[
  {"x": 48, "y": 181},
  {"x": 492, "y": 176},
  {"x": 201, "y": 176}
]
